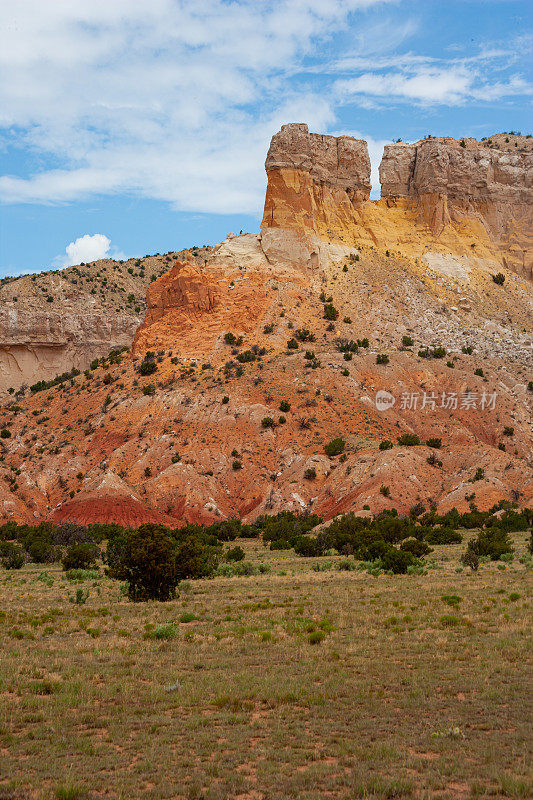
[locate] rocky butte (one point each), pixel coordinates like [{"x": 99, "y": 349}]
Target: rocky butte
[
  {"x": 254, "y": 354},
  {"x": 439, "y": 194}
]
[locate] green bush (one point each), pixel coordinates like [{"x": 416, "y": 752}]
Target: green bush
[
  {"x": 408, "y": 439},
  {"x": 397, "y": 561},
  {"x": 443, "y": 535},
  {"x": 330, "y": 312},
  {"x": 335, "y": 447},
  {"x": 235, "y": 554},
  {"x": 382, "y": 358},
  {"x": 416, "y": 547},
  {"x": 80, "y": 555},
  {"x": 492, "y": 543},
  {"x": 386, "y": 444},
  {"x": 434, "y": 442},
  {"x": 146, "y": 559},
  {"x": 147, "y": 367},
  {"x": 11, "y": 555}
]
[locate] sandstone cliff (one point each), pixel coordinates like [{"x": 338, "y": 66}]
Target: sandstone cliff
[
  {"x": 53, "y": 321},
  {"x": 316, "y": 185},
  {"x": 452, "y": 181},
  {"x": 227, "y": 426},
  {"x": 449, "y": 197}
]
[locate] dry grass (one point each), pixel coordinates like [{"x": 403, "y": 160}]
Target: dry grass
[{"x": 293, "y": 684}]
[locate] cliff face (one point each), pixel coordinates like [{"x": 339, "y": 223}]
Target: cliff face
[
  {"x": 54, "y": 321},
  {"x": 315, "y": 183},
  {"x": 452, "y": 181},
  {"x": 436, "y": 194},
  {"x": 35, "y": 345}
]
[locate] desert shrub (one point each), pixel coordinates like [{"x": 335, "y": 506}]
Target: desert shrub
[
  {"x": 416, "y": 547},
  {"x": 267, "y": 422},
  {"x": 146, "y": 559},
  {"x": 499, "y": 278},
  {"x": 286, "y": 526},
  {"x": 492, "y": 543},
  {"x": 382, "y": 358},
  {"x": 407, "y": 341},
  {"x": 230, "y": 338},
  {"x": 235, "y": 554},
  {"x": 335, "y": 447},
  {"x": 384, "y": 490},
  {"x": 284, "y": 406},
  {"x": 82, "y": 555},
  {"x": 386, "y": 444},
  {"x": 11, "y": 555},
  {"x": 280, "y": 544},
  {"x": 147, "y": 367},
  {"x": 292, "y": 344},
  {"x": 408, "y": 439},
  {"x": 434, "y": 442},
  {"x": 246, "y": 357},
  {"x": 512, "y": 520},
  {"x": 397, "y": 561},
  {"x": 443, "y": 535},
  {"x": 307, "y": 546},
  {"x": 310, "y": 474},
  {"x": 195, "y": 559},
  {"x": 303, "y": 335},
  {"x": 226, "y": 531},
  {"x": 249, "y": 532},
  {"x": 470, "y": 558},
  {"x": 41, "y": 551},
  {"x": 330, "y": 312}
]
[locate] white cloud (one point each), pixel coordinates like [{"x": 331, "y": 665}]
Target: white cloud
[
  {"x": 431, "y": 83},
  {"x": 90, "y": 247},
  {"x": 173, "y": 99},
  {"x": 176, "y": 100}
]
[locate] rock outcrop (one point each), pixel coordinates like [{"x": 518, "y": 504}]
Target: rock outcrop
[
  {"x": 190, "y": 308},
  {"x": 53, "y": 321},
  {"x": 316, "y": 183},
  {"x": 36, "y": 345},
  {"x": 449, "y": 196},
  {"x": 452, "y": 181}
]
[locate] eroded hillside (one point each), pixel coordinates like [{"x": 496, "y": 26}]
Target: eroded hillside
[
  {"x": 342, "y": 321},
  {"x": 53, "y": 321}
]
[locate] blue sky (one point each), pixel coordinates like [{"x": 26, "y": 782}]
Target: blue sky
[{"x": 129, "y": 127}]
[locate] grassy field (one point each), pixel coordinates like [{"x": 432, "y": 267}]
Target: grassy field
[{"x": 289, "y": 685}]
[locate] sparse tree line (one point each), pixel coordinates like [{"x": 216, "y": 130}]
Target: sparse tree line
[{"x": 153, "y": 558}]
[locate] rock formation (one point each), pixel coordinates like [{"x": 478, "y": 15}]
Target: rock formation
[
  {"x": 452, "y": 181},
  {"x": 53, "y": 321},
  {"x": 221, "y": 427},
  {"x": 316, "y": 185},
  {"x": 37, "y": 345},
  {"x": 443, "y": 195}
]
